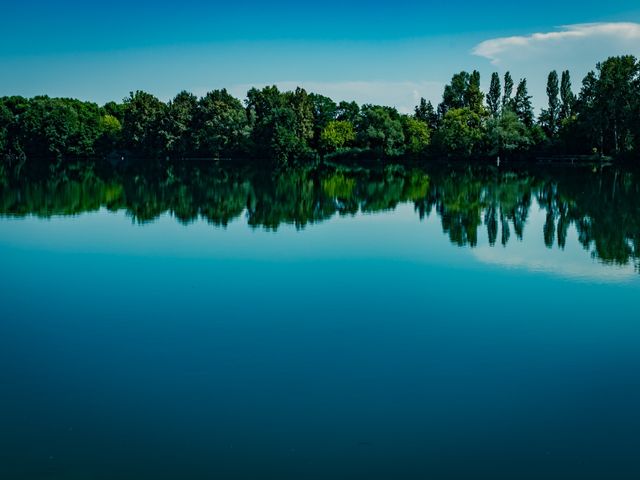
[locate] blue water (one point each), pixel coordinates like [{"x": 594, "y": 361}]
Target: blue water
[{"x": 362, "y": 347}]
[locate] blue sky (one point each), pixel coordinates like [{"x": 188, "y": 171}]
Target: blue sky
[{"x": 389, "y": 53}]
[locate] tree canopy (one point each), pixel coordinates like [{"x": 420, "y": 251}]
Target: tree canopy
[{"x": 291, "y": 127}]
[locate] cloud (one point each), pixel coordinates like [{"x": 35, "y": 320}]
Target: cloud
[
  {"x": 583, "y": 39},
  {"x": 404, "y": 95}
]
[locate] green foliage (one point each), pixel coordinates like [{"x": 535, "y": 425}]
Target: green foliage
[
  {"x": 507, "y": 134},
  {"x": 493, "y": 97},
  {"x": 57, "y": 127},
  {"x": 463, "y": 92},
  {"x": 286, "y": 128},
  {"x": 348, "y": 111},
  {"x": 325, "y": 110},
  {"x": 508, "y": 91},
  {"x": 455, "y": 93},
  {"x": 473, "y": 97},
  {"x": 521, "y": 104},
  {"x": 417, "y": 135},
  {"x": 178, "y": 123},
  {"x": 380, "y": 129},
  {"x": 461, "y": 132},
  {"x": 608, "y": 105},
  {"x": 221, "y": 126},
  {"x": 283, "y": 123},
  {"x": 143, "y": 116},
  {"x": 6, "y": 119},
  {"x": 337, "y": 134},
  {"x": 549, "y": 118},
  {"x": 427, "y": 114},
  {"x": 567, "y": 97}
]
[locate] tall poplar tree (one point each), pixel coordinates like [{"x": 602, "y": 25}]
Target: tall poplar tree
[
  {"x": 549, "y": 117},
  {"x": 522, "y": 104},
  {"x": 568, "y": 99},
  {"x": 493, "y": 97},
  {"x": 508, "y": 91}
]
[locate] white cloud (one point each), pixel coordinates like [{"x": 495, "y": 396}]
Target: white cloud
[
  {"x": 404, "y": 95},
  {"x": 589, "y": 39}
]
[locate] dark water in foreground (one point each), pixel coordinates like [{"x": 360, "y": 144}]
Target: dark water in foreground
[{"x": 391, "y": 323}]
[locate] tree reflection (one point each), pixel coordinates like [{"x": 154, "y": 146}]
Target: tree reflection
[{"x": 603, "y": 205}]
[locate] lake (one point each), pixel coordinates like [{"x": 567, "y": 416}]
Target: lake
[{"x": 410, "y": 322}]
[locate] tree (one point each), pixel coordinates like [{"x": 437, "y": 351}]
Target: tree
[
  {"x": 111, "y": 129},
  {"x": 606, "y": 107},
  {"x": 567, "y": 97},
  {"x": 302, "y": 105},
  {"x": 493, "y": 97},
  {"x": 143, "y": 114},
  {"x": 549, "y": 116},
  {"x": 461, "y": 132},
  {"x": 6, "y": 118},
  {"x": 455, "y": 92},
  {"x": 380, "y": 129},
  {"x": 507, "y": 134},
  {"x": 283, "y": 124},
  {"x": 57, "y": 128},
  {"x": 348, "y": 111},
  {"x": 325, "y": 110},
  {"x": 337, "y": 134},
  {"x": 417, "y": 135},
  {"x": 508, "y": 91},
  {"x": 463, "y": 92},
  {"x": 522, "y": 104},
  {"x": 474, "y": 98},
  {"x": 221, "y": 125},
  {"x": 427, "y": 114},
  {"x": 618, "y": 93},
  {"x": 177, "y": 126}
]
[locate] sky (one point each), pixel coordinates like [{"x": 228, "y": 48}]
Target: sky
[{"x": 389, "y": 53}]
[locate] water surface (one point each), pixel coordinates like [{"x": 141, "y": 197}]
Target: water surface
[{"x": 395, "y": 322}]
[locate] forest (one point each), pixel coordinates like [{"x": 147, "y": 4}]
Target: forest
[{"x": 296, "y": 127}]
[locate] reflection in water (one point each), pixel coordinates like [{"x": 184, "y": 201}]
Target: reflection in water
[{"x": 602, "y": 204}]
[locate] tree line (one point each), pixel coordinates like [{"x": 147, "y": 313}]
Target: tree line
[{"x": 294, "y": 127}]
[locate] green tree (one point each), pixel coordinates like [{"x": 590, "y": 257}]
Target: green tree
[
  {"x": 348, "y": 111},
  {"x": 58, "y": 128},
  {"x": 6, "y": 119},
  {"x": 455, "y": 93},
  {"x": 506, "y": 135},
  {"x": 549, "y": 116},
  {"x": 493, "y": 97},
  {"x": 283, "y": 124},
  {"x": 110, "y": 139},
  {"x": 221, "y": 125},
  {"x": 567, "y": 97},
  {"x": 474, "y": 98},
  {"x": 417, "y": 135},
  {"x": 337, "y": 134},
  {"x": 508, "y": 91},
  {"x": 325, "y": 110},
  {"x": 380, "y": 129},
  {"x": 522, "y": 104},
  {"x": 177, "y": 126},
  {"x": 617, "y": 89},
  {"x": 461, "y": 133},
  {"x": 143, "y": 114},
  {"x": 606, "y": 108},
  {"x": 425, "y": 112}
]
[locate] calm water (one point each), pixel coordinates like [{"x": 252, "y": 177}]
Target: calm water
[{"x": 357, "y": 324}]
